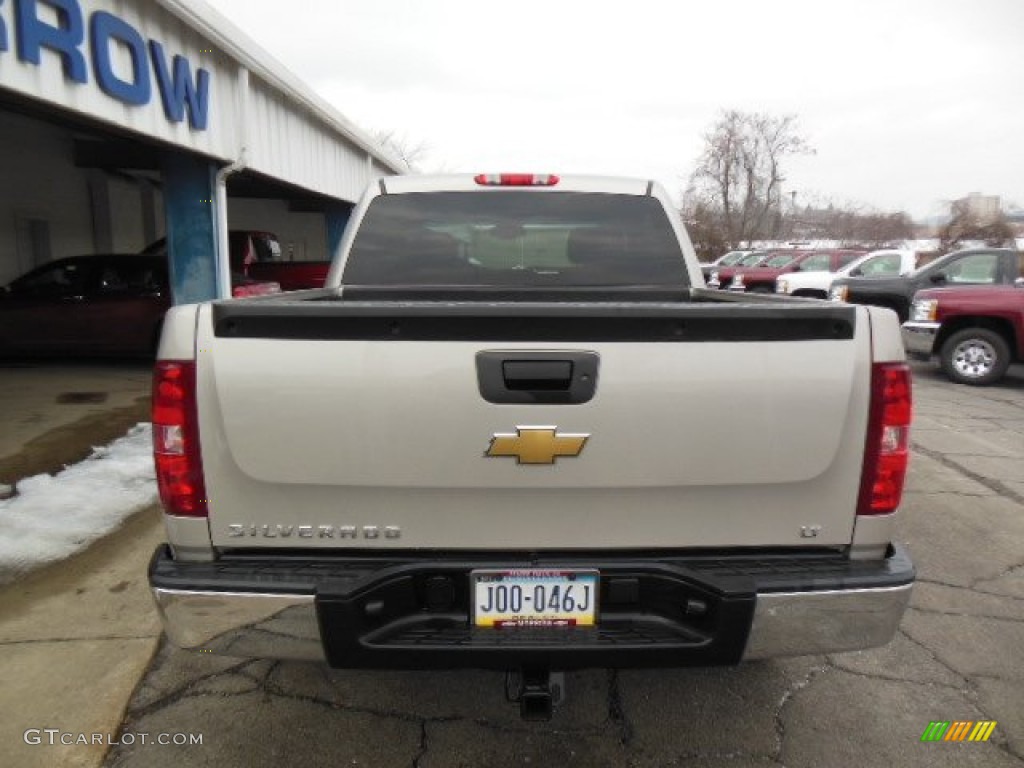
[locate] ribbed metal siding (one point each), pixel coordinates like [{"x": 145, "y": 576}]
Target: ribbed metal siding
[{"x": 292, "y": 145}]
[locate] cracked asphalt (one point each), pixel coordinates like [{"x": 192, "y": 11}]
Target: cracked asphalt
[{"x": 959, "y": 655}]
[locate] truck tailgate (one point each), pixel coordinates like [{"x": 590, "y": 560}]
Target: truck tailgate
[{"x": 709, "y": 426}]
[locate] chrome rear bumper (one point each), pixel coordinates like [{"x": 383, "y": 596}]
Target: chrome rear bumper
[
  {"x": 243, "y": 624},
  {"x": 806, "y": 623},
  {"x": 255, "y": 625}
]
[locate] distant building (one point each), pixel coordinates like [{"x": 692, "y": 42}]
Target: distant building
[{"x": 980, "y": 210}]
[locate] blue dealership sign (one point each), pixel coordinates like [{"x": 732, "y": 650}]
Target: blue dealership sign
[{"x": 62, "y": 31}]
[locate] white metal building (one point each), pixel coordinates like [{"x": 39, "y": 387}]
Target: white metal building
[{"x": 125, "y": 120}]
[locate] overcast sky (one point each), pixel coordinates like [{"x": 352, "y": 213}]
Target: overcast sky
[{"x": 907, "y": 102}]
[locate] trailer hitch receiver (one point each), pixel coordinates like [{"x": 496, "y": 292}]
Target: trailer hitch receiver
[{"x": 537, "y": 691}]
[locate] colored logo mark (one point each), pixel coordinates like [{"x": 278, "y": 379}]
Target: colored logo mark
[
  {"x": 958, "y": 730},
  {"x": 536, "y": 445}
]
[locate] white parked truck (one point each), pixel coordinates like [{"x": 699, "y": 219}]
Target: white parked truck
[
  {"x": 514, "y": 431},
  {"x": 816, "y": 284}
]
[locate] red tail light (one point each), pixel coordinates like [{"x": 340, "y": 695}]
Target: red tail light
[
  {"x": 179, "y": 466},
  {"x": 516, "y": 179},
  {"x": 888, "y": 440}
]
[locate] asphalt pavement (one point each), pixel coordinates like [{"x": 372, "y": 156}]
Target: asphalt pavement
[{"x": 957, "y": 657}]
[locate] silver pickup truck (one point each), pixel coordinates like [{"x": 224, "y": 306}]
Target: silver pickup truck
[{"x": 516, "y": 432}]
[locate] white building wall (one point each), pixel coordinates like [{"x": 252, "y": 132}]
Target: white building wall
[
  {"x": 258, "y": 112},
  {"x": 43, "y": 190},
  {"x": 40, "y": 184},
  {"x": 126, "y": 215},
  {"x": 289, "y": 145}
]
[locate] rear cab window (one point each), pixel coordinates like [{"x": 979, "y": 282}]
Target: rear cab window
[
  {"x": 515, "y": 239},
  {"x": 975, "y": 268},
  {"x": 136, "y": 276},
  {"x": 753, "y": 259},
  {"x": 780, "y": 261},
  {"x": 886, "y": 264},
  {"x": 815, "y": 263},
  {"x": 69, "y": 277}
]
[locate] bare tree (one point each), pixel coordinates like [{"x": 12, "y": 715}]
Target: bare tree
[
  {"x": 410, "y": 153},
  {"x": 849, "y": 223},
  {"x": 739, "y": 174},
  {"x": 877, "y": 229},
  {"x": 703, "y": 224},
  {"x": 967, "y": 224}
]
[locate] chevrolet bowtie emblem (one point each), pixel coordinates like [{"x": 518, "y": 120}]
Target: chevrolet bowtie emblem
[{"x": 536, "y": 445}]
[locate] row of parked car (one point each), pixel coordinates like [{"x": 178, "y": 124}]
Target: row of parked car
[
  {"x": 965, "y": 308},
  {"x": 759, "y": 271}
]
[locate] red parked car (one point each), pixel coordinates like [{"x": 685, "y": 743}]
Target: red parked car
[
  {"x": 761, "y": 278},
  {"x": 257, "y": 255},
  {"x": 291, "y": 275},
  {"x": 720, "y": 277},
  {"x": 975, "y": 331},
  {"x": 107, "y": 304}
]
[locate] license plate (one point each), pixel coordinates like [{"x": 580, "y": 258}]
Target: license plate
[{"x": 534, "y": 598}]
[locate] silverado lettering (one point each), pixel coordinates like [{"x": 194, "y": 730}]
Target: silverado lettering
[{"x": 236, "y": 530}]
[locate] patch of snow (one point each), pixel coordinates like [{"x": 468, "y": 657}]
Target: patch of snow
[{"x": 55, "y": 516}]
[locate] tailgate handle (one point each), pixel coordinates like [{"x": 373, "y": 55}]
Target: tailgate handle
[
  {"x": 548, "y": 375},
  {"x": 556, "y": 377}
]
